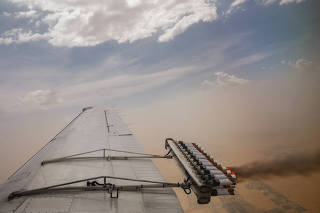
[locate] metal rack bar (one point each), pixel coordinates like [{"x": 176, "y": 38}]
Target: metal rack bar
[
  {"x": 73, "y": 157},
  {"x": 102, "y": 187},
  {"x": 108, "y": 158}
]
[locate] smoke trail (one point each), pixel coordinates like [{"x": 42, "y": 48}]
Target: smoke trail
[{"x": 287, "y": 166}]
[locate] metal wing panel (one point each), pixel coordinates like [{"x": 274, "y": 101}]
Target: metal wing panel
[{"x": 93, "y": 129}]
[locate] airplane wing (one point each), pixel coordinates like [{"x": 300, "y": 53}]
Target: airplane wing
[{"x": 93, "y": 165}]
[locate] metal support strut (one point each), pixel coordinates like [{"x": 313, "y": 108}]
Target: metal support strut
[
  {"x": 94, "y": 185},
  {"x": 75, "y": 156}
]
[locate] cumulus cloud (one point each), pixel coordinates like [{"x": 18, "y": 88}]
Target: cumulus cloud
[
  {"x": 88, "y": 23},
  {"x": 224, "y": 79}
]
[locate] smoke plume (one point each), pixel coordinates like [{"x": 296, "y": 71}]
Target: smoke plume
[{"x": 295, "y": 164}]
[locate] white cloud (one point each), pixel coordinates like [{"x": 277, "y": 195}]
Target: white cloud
[
  {"x": 93, "y": 92},
  {"x": 6, "y": 41},
  {"x": 40, "y": 97},
  {"x": 236, "y": 3},
  {"x": 17, "y": 35},
  {"x": 208, "y": 83},
  {"x": 26, "y": 14},
  {"x": 204, "y": 13},
  {"x": 267, "y": 2},
  {"x": 290, "y": 1},
  {"x": 281, "y": 2},
  {"x": 133, "y": 3},
  {"x": 124, "y": 85},
  {"x": 88, "y": 23},
  {"x": 29, "y": 14},
  {"x": 224, "y": 79},
  {"x": 250, "y": 59},
  {"x": 6, "y": 14},
  {"x": 301, "y": 64}
]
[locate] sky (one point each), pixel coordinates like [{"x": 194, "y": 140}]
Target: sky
[{"x": 239, "y": 76}]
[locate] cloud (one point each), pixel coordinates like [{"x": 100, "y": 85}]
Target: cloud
[
  {"x": 40, "y": 97},
  {"x": 18, "y": 35},
  {"x": 237, "y": 3},
  {"x": 281, "y": 2},
  {"x": 290, "y": 1},
  {"x": 250, "y": 59},
  {"x": 88, "y": 23},
  {"x": 267, "y": 2},
  {"x": 301, "y": 64},
  {"x": 224, "y": 79},
  {"x": 311, "y": 69},
  {"x": 208, "y": 83},
  {"x": 123, "y": 85},
  {"x": 23, "y": 14},
  {"x": 205, "y": 14},
  {"x": 94, "y": 92}
]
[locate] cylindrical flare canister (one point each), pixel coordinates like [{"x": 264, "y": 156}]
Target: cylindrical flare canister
[
  {"x": 191, "y": 147},
  {"x": 203, "y": 160},
  {"x": 223, "y": 192},
  {"x": 206, "y": 163},
  {"x": 200, "y": 156},
  {"x": 225, "y": 182},
  {"x": 215, "y": 172},
  {"x": 219, "y": 176},
  {"x": 205, "y": 177},
  {"x": 211, "y": 167}
]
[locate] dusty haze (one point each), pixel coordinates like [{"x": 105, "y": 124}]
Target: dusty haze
[
  {"x": 261, "y": 121},
  {"x": 265, "y": 122}
]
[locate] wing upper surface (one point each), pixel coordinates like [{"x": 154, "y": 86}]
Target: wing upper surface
[{"x": 93, "y": 129}]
